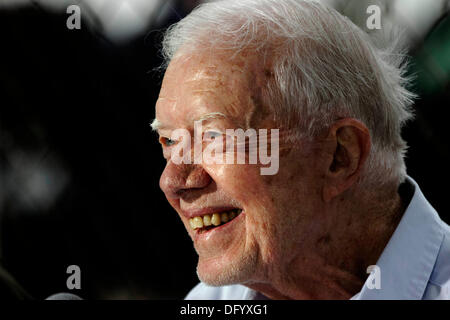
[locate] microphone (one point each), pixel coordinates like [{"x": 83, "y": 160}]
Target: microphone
[{"x": 64, "y": 296}]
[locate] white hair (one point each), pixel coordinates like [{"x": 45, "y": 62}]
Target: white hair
[{"x": 324, "y": 68}]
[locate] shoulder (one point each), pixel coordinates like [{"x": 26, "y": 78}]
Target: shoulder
[
  {"x": 439, "y": 282},
  {"x": 232, "y": 292},
  {"x": 441, "y": 271}
]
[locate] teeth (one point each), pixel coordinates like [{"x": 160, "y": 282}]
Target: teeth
[
  {"x": 224, "y": 217},
  {"x": 207, "y": 220},
  {"x": 198, "y": 222},
  {"x": 215, "y": 219}
]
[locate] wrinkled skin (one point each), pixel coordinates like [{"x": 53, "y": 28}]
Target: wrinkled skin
[{"x": 301, "y": 233}]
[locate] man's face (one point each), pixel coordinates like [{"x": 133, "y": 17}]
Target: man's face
[{"x": 275, "y": 209}]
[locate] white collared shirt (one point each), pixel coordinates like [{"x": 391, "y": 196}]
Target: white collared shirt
[{"x": 415, "y": 264}]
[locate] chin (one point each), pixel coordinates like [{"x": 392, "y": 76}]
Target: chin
[{"x": 215, "y": 273}]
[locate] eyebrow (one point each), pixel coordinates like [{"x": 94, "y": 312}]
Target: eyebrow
[
  {"x": 211, "y": 115},
  {"x": 157, "y": 124}
]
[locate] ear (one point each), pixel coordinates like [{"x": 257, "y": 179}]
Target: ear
[{"x": 348, "y": 145}]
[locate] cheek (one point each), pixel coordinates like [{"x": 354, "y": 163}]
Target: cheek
[
  {"x": 260, "y": 198},
  {"x": 242, "y": 183}
]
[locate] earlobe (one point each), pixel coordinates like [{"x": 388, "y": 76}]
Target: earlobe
[{"x": 329, "y": 193}]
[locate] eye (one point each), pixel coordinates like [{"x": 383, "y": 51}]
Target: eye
[
  {"x": 167, "y": 142},
  {"x": 211, "y": 135}
]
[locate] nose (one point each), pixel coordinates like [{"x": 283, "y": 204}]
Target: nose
[{"x": 176, "y": 179}]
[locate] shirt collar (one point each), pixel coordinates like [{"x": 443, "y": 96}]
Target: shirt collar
[{"x": 408, "y": 259}]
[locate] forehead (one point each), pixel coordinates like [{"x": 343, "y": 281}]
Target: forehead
[{"x": 197, "y": 84}]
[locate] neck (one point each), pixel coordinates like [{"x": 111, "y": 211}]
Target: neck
[{"x": 333, "y": 264}]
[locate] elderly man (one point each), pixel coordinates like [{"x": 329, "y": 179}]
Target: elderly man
[{"x": 339, "y": 218}]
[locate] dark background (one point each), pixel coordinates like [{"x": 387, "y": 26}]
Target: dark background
[{"x": 75, "y": 110}]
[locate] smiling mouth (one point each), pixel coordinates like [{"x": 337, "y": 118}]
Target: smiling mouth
[{"x": 211, "y": 221}]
